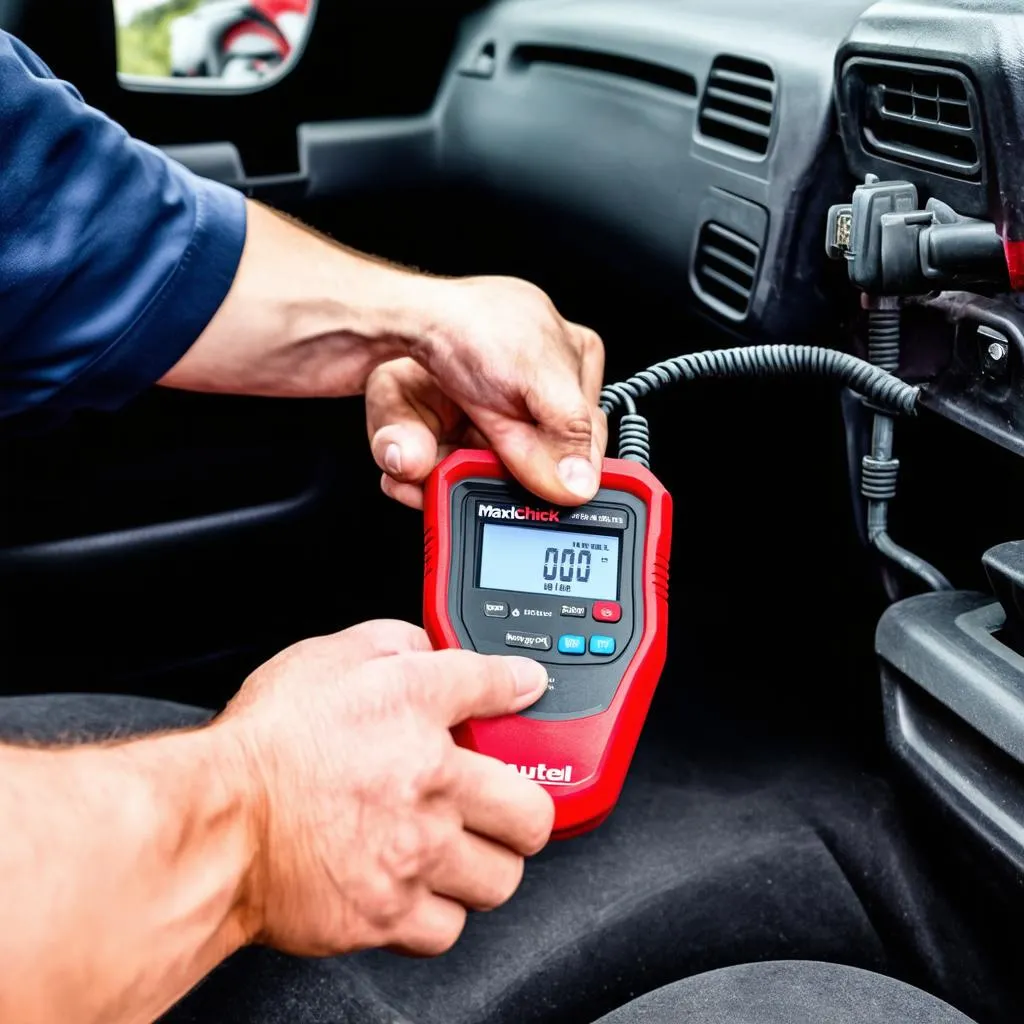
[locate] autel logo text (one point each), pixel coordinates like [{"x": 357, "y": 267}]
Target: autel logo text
[
  {"x": 535, "y": 515},
  {"x": 542, "y": 773}
]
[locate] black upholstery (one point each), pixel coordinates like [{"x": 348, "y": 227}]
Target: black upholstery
[
  {"x": 787, "y": 992},
  {"x": 10, "y": 15},
  {"x": 77, "y": 40}
]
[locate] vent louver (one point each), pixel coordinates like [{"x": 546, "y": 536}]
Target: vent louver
[
  {"x": 738, "y": 104},
  {"x": 725, "y": 268},
  {"x": 920, "y": 116}
]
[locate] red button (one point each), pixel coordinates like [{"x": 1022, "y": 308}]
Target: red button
[{"x": 607, "y": 611}]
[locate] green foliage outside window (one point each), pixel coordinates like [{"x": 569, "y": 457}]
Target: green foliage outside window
[{"x": 144, "y": 43}]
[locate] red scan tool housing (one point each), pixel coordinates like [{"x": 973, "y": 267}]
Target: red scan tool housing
[{"x": 505, "y": 574}]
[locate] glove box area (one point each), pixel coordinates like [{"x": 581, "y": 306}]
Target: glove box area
[{"x": 952, "y": 674}]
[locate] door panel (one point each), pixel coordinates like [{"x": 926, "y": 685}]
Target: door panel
[
  {"x": 336, "y": 159},
  {"x": 170, "y": 547},
  {"x": 191, "y": 533}
]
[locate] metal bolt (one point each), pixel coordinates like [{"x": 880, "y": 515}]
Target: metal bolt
[
  {"x": 997, "y": 351},
  {"x": 994, "y": 349}
]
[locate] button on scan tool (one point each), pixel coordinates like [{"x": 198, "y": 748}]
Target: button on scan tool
[
  {"x": 607, "y": 611},
  {"x": 603, "y": 645},
  {"x": 496, "y": 609},
  {"x": 531, "y": 641},
  {"x": 571, "y": 644},
  {"x": 574, "y": 611}
]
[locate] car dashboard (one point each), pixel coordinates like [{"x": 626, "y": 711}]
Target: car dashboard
[
  {"x": 709, "y": 138},
  {"x": 695, "y": 133}
]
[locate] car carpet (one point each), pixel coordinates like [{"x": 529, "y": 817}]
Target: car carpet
[{"x": 702, "y": 865}]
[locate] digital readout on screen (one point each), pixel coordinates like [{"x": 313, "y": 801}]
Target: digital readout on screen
[{"x": 535, "y": 561}]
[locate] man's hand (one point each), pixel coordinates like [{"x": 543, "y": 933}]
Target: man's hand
[
  {"x": 504, "y": 370},
  {"x": 326, "y": 810},
  {"x": 472, "y": 361},
  {"x": 373, "y": 828}
]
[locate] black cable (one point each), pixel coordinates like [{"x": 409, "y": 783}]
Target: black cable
[
  {"x": 879, "y": 469},
  {"x": 886, "y": 394},
  {"x": 875, "y": 384},
  {"x": 872, "y": 382},
  {"x": 914, "y": 564},
  {"x": 884, "y": 336}
]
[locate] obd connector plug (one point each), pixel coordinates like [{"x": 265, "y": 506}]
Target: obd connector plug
[{"x": 892, "y": 247}]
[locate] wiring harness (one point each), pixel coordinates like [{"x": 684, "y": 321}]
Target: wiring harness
[{"x": 885, "y": 394}]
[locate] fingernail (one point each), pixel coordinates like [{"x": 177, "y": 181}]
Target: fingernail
[
  {"x": 531, "y": 677},
  {"x": 393, "y": 459},
  {"x": 578, "y": 475}
]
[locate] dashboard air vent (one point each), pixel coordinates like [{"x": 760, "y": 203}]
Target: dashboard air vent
[
  {"x": 922, "y": 116},
  {"x": 739, "y": 103},
  {"x": 725, "y": 267}
]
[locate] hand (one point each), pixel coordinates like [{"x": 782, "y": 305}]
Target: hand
[
  {"x": 503, "y": 370},
  {"x": 492, "y": 360},
  {"x": 373, "y": 828}
]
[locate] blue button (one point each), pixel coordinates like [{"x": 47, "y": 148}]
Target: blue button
[
  {"x": 570, "y": 644},
  {"x": 602, "y": 645}
]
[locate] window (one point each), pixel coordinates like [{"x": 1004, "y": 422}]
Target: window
[{"x": 208, "y": 43}]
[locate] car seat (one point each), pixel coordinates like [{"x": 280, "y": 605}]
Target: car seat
[{"x": 787, "y": 992}]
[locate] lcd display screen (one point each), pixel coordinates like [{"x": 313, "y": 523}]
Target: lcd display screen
[{"x": 557, "y": 562}]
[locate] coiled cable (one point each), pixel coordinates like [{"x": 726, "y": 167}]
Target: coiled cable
[
  {"x": 878, "y": 386},
  {"x": 886, "y": 394},
  {"x": 884, "y": 337},
  {"x": 635, "y": 439}
]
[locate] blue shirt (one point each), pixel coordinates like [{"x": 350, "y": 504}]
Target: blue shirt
[{"x": 113, "y": 258}]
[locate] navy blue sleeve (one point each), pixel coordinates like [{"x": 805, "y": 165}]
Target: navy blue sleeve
[{"x": 113, "y": 258}]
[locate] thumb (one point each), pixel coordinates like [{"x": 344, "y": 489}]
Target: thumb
[
  {"x": 456, "y": 685},
  {"x": 566, "y": 424},
  {"x": 557, "y": 456}
]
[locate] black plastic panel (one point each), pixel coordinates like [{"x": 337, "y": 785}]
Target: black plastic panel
[
  {"x": 590, "y": 108},
  {"x": 981, "y": 786},
  {"x": 728, "y": 245},
  {"x": 915, "y": 115},
  {"x": 584, "y": 59},
  {"x": 968, "y": 351},
  {"x": 982, "y": 40},
  {"x": 954, "y": 709}
]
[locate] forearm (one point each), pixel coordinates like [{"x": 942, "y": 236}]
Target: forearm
[
  {"x": 122, "y": 873},
  {"x": 306, "y": 317},
  {"x": 491, "y": 361}
]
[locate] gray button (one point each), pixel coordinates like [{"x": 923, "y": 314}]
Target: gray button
[
  {"x": 532, "y": 641},
  {"x": 496, "y": 609},
  {"x": 576, "y": 611}
]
